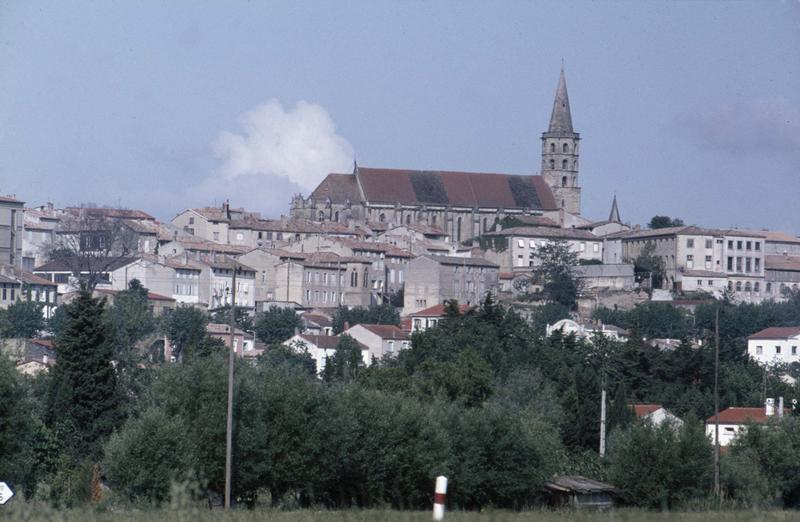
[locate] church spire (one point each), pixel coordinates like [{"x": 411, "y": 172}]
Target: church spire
[
  {"x": 561, "y": 119},
  {"x": 614, "y": 215}
]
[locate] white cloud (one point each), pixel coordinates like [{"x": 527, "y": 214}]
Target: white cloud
[{"x": 299, "y": 145}]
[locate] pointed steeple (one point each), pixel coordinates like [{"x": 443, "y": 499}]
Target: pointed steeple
[
  {"x": 614, "y": 215},
  {"x": 561, "y": 119}
]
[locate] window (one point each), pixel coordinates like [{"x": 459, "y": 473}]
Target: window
[
  {"x": 749, "y": 245},
  {"x": 730, "y": 245},
  {"x": 794, "y": 350},
  {"x": 552, "y": 164},
  {"x": 708, "y": 262},
  {"x": 391, "y": 346},
  {"x": 216, "y": 236},
  {"x": 521, "y": 243},
  {"x": 747, "y": 287},
  {"x": 699, "y": 282},
  {"x": 757, "y": 264},
  {"x": 552, "y": 147},
  {"x": 759, "y": 350},
  {"x": 769, "y": 288},
  {"x": 532, "y": 243},
  {"x": 690, "y": 243},
  {"x": 191, "y": 221},
  {"x": 458, "y": 229},
  {"x": 583, "y": 247},
  {"x": 756, "y": 286},
  {"x": 739, "y": 264},
  {"x": 565, "y": 148},
  {"x": 563, "y": 181},
  {"x": 709, "y": 244},
  {"x": 738, "y": 245},
  {"x": 596, "y": 247},
  {"x": 777, "y": 350},
  {"x": 710, "y": 282},
  {"x": 689, "y": 261},
  {"x": 239, "y": 236},
  {"x": 738, "y": 286},
  {"x": 730, "y": 263},
  {"x": 564, "y": 164},
  {"x": 748, "y": 264},
  {"x": 758, "y": 246},
  {"x": 382, "y": 218},
  {"x": 408, "y": 219},
  {"x": 520, "y": 260}
]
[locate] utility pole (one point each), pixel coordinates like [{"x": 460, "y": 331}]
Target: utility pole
[
  {"x": 603, "y": 422},
  {"x": 229, "y": 427},
  {"x": 716, "y": 405}
]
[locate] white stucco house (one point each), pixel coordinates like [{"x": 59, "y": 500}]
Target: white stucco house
[
  {"x": 381, "y": 339},
  {"x": 732, "y": 421},
  {"x": 587, "y": 330},
  {"x": 320, "y": 347},
  {"x": 655, "y": 413},
  {"x": 775, "y": 345}
]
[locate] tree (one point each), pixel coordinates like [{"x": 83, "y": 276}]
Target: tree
[
  {"x": 664, "y": 222},
  {"x": 242, "y": 317},
  {"x": 554, "y": 273},
  {"x": 346, "y": 362},
  {"x": 90, "y": 242},
  {"x": 649, "y": 267},
  {"x": 22, "y": 319},
  {"x": 147, "y": 455},
  {"x": 376, "y": 314},
  {"x": 17, "y": 430},
  {"x": 277, "y": 324},
  {"x": 128, "y": 322},
  {"x": 661, "y": 466},
  {"x": 83, "y": 400},
  {"x": 186, "y": 329}
]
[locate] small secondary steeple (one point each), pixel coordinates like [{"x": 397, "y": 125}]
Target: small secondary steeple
[{"x": 614, "y": 215}]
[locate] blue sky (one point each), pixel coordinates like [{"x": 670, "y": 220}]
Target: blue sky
[{"x": 690, "y": 109}]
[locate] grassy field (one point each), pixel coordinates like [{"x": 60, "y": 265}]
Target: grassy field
[{"x": 27, "y": 513}]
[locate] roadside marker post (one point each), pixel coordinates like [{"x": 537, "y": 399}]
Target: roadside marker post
[
  {"x": 5, "y": 493},
  {"x": 439, "y": 498}
]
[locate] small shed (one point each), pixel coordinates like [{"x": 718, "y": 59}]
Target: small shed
[{"x": 579, "y": 492}]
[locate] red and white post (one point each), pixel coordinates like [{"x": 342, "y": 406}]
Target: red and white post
[{"x": 439, "y": 498}]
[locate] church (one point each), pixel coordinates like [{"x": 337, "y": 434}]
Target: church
[{"x": 461, "y": 204}]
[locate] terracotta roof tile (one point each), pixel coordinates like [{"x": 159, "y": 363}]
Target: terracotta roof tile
[
  {"x": 643, "y": 410},
  {"x": 438, "y": 311},
  {"x": 777, "y": 332},
  {"x": 385, "y": 331},
  {"x": 741, "y": 416},
  {"x": 415, "y": 187}
]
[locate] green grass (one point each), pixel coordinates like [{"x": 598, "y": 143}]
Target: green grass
[{"x": 29, "y": 513}]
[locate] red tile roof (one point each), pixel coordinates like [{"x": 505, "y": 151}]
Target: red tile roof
[
  {"x": 328, "y": 342},
  {"x": 468, "y": 189},
  {"x": 438, "y": 311},
  {"x": 417, "y": 187},
  {"x": 777, "y": 332},
  {"x": 112, "y": 213},
  {"x": 151, "y": 296},
  {"x": 643, "y": 410},
  {"x": 741, "y": 416},
  {"x": 385, "y": 331},
  {"x": 789, "y": 263},
  {"x": 337, "y": 187}
]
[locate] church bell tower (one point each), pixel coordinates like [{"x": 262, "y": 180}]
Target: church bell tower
[{"x": 560, "y": 151}]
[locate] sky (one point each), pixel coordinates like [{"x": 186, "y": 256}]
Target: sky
[{"x": 687, "y": 109}]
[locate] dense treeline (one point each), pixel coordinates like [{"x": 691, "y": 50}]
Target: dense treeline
[{"x": 480, "y": 398}]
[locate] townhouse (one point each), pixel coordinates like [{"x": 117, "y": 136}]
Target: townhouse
[{"x": 432, "y": 280}]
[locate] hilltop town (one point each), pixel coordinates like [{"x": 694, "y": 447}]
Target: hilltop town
[{"x": 381, "y": 261}]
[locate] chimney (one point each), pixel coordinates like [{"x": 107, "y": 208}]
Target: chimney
[
  {"x": 769, "y": 407},
  {"x": 780, "y": 406}
]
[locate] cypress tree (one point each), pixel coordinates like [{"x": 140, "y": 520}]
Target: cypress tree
[{"x": 83, "y": 399}]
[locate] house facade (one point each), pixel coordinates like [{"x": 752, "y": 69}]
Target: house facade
[
  {"x": 432, "y": 280},
  {"x": 776, "y": 345}
]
